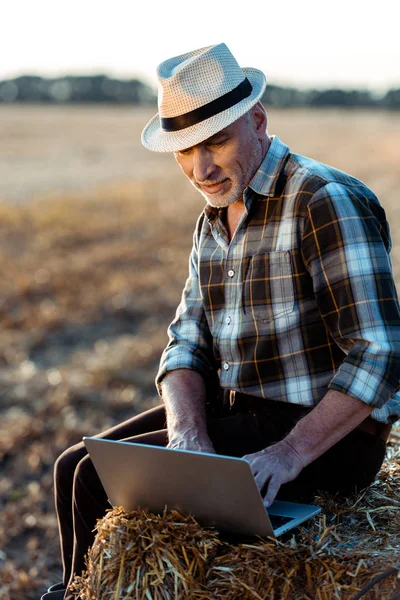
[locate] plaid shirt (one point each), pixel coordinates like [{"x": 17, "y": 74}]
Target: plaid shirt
[{"x": 302, "y": 299}]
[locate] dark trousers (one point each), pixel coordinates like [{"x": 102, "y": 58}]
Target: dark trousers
[{"x": 80, "y": 498}]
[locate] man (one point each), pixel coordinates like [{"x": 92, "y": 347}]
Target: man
[{"x": 285, "y": 347}]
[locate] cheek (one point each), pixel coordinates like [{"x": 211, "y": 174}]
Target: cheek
[
  {"x": 232, "y": 160},
  {"x": 186, "y": 165},
  {"x": 226, "y": 162}
]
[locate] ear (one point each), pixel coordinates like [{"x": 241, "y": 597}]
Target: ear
[{"x": 259, "y": 120}]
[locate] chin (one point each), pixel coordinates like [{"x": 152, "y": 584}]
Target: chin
[
  {"x": 220, "y": 202},
  {"x": 217, "y": 203}
]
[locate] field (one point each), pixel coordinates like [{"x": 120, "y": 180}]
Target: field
[{"x": 94, "y": 239}]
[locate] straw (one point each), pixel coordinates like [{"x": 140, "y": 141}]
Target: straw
[{"x": 351, "y": 550}]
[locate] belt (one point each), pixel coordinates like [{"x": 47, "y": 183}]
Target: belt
[
  {"x": 252, "y": 404},
  {"x": 375, "y": 428}
]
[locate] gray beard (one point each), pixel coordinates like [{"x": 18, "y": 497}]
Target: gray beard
[
  {"x": 221, "y": 202},
  {"x": 236, "y": 193}
]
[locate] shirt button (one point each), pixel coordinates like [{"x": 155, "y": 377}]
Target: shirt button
[
  {"x": 231, "y": 272},
  {"x": 228, "y": 320},
  {"x": 226, "y": 366}
]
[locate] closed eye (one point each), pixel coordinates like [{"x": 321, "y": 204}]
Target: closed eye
[
  {"x": 218, "y": 142},
  {"x": 184, "y": 152}
]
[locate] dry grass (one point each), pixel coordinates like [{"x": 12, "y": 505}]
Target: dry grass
[
  {"x": 144, "y": 556},
  {"x": 92, "y": 268}
]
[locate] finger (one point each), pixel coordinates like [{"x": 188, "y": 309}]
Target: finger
[
  {"x": 262, "y": 481},
  {"x": 253, "y": 463},
  {"x": 264, "y": 489},
  {"x": 273, "y": 489}
]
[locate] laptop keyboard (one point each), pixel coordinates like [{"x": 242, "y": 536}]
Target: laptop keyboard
[{"x": 278, "y": 521}]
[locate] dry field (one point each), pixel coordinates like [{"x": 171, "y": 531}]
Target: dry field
[{"x": 94, "y": 238}]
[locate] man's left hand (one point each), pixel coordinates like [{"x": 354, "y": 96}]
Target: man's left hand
[{"x": 274, "y": 466}]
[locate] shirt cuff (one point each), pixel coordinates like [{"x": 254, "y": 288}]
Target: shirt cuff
[
  {"x": 182, "y": 357},
  {"x": 369, "y": 386}
]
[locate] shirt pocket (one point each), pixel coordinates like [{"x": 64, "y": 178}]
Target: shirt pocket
[{"x": 268, "y": 288}]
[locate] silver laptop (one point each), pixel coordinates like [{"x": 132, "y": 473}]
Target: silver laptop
[{"x": 217, "y": 490}]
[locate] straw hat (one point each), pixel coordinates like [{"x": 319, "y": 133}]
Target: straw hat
[{"x": 199, "y": 94}]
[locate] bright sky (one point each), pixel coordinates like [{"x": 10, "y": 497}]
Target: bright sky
[{"x": 352, "y": 43}]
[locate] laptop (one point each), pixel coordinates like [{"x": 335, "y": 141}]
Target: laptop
[{"x": 219, "y": 491}]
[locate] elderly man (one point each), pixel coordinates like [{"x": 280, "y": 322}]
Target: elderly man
[{"x": 285, "y": 348}]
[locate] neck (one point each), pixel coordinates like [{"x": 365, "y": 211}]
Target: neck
[
  {"x": 265, "y": 144},
  {"x": 233, "y": 216}
]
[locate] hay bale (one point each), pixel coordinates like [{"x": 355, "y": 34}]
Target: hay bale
[{"x": 142, "y": 556}]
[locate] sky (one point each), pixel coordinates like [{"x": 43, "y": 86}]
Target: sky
[{"x": 305, "y": 43}]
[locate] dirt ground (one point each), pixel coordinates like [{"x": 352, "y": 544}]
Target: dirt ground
[{"x": 94, "y": 239}]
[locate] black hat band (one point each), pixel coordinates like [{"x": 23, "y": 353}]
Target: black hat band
[{"x": 239, "y": 93}]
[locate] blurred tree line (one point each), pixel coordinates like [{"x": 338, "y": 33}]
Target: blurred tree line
[
  {"x": 79, "y": 89},
  {"x": 103, "y": 89}
]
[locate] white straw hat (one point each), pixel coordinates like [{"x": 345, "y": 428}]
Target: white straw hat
[{"x": 200, "y": 93}]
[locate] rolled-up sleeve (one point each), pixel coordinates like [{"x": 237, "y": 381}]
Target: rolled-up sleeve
[
  {"x": 190, "y": 341},
  {"x": 346, "y": 249}
]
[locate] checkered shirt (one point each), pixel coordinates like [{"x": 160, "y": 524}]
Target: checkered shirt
[{"x": 301, "y": 300}]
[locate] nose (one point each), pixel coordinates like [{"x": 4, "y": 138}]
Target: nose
[{"x": 203, "y": 164}]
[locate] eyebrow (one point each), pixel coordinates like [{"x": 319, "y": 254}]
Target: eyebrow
[{"x": 216, "y": 136}]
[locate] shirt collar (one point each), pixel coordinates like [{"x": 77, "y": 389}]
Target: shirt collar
[{"x": 264, "y": 181}]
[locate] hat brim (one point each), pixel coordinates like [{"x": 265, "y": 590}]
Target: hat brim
[{"x": 157, "y": 140}]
